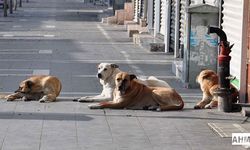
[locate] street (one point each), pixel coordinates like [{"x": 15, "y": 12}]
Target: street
[{"x": 65, "y": 38}]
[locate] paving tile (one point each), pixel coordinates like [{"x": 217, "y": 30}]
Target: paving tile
[{"x": 23, "y": 134}]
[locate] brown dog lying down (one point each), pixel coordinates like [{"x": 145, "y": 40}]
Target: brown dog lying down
[
  {"x": 40, "y": 87},
  {"x": 131, "y": 94},
  {"x": 208, "y": 80}
]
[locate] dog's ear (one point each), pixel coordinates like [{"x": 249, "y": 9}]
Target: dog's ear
[
  {"x": 206, "y": 75},
  {"x": 29, "y": 84},
  {"x": 132, "y": 76},
  {"x": 114, "y": 66}
]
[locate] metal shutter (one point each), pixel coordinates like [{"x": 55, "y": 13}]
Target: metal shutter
[
  {"x": 182, "y": 27},
  {"x": 232, "y": 25},
  {"x": 136, "y": 6},
  {"x": 142, "y": 9},
  {"x": 163, "y": 16},
  {"x": 139, "y": 8},
  {"x": 172, "y": 25},
  {"x": 153, "y": 13}
]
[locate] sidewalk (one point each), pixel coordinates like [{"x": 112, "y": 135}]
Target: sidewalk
[{"x": 78, "y": 45}]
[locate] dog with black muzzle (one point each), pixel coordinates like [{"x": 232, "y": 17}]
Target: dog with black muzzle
[
  {"x": 106, "y": 74},
  {"x": 131, "y": 94},
  {"x": 41, "y": 87}
]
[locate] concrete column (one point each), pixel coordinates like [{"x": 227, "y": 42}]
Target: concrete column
[
  {"x": 150, "y": 16},
  {"x": 167, "y": 25},
  {"x": 157, "y": 17},
  {"x": 245, "y": 31}
]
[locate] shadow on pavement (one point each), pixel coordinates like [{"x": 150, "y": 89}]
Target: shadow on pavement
[{"x": 44, "y": 116}]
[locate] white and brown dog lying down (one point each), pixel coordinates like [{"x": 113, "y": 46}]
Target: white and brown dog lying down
[
  {"x": 131, "y": 94},
  {"x": 40, "y": 87},
  {"x": 107, "y": 73},
  {"x": 208, "y": 80}
]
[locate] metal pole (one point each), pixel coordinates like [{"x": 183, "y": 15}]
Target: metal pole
[
  {"x": 11, "y": 6},
  {"x": 5, "y": 8},
  {"x": 20, "y": 3}
]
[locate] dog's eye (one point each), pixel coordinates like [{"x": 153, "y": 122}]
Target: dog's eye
[
  {"x": 99, "y": 68},
  {"x": 105, "y": 69},
  {"x": 118, "y": 79}
]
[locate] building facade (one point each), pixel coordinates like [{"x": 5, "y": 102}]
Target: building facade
[{"x": 170, "y": 21}]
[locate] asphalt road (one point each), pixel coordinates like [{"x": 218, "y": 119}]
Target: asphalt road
[{"x": 65, "y": 38}]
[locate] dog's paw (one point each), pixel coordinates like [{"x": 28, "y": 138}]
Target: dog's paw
[
  {"x": 208, "y": 106},
  {"x": 9, "y": 98},
  {"x": 152, "y": 108},
  {"x": 42, "y": 100},
  {"x": 94, "y": 106},
  {"x": 25, "y": 99},
  {"x": 85, "y": 100},
  {"x": 197, "y": 107},
  {"x": 75, "y": 100}
]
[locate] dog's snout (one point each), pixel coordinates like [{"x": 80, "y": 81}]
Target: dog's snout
[
  {"x": 120, "y": 88},
  {"x": 99, "y": 75}
]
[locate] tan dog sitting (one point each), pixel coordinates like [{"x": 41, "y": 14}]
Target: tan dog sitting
[
  {"x": 208, "y": 80},
  {"x": 42, "y": 88},
  {"x": 131, "y": 94}
]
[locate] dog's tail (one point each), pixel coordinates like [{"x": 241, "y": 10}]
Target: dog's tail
[
  {"x": 168, "y": 99},
  {"x": 172, "y": 107},
  {"x": 155, "y": 82},
  {"x": 152, "y": 78}
]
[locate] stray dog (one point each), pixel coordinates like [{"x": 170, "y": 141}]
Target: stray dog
[
  {"x": 208, "y": 80},
  {"x": 131, "y": 94},
  {"x": 106, "y": 74},
  {"x": 42, "y": 88}
]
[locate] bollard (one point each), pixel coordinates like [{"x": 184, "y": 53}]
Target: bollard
[
  {"x": 11, "y": 6},
  {"x": 5, "y": 8},
  {"x": 20, "y": 3},
  {"x": 15, "y": 5}
]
